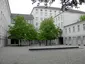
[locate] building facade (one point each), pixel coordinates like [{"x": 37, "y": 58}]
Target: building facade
[
  {"x": 27, "y": 17},
  {"x": 5, "y": 20},
  {"x": 63, "y": 20},
  {"x": 40, "y": 13},
  {"x": 74, "y": 34}
]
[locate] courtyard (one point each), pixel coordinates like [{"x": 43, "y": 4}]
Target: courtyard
[{"x": 22, "y": 55}]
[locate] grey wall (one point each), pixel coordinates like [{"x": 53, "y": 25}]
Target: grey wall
[{"x": 4, "y": 20}]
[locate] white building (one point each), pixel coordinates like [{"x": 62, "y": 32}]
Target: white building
[
  {"x": 41, "y": 12},
  {"x": 65, "y": 20},
  {"x": 4, "y": 21},
  {"x": 74, "y": 34}
]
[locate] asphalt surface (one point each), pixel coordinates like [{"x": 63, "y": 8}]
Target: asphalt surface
[{"x": 22, "y": 55}]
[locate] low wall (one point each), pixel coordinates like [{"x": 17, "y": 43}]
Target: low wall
[{"x": 34, "y": 42}]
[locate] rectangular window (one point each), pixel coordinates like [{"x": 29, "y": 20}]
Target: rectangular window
[
  {"x": 46, "y": 10},
  {"x": 45, "y": 14},
  {"x": 41, "y": 13},
  {"x": 65, "y": 30},
  {"x": 36, "y": 9},
  {"x": 36, "y": 18},
  {"x": 41, "y": 19},
  {"x": 78, "y": 28},
  {"x": 73, "y": 29},
  {"x": 41, "y": 10},
  {"x": 50, "y": 11},
  {"x": 61, "y": 24},
  {"x": 83, "y": 26},
  {"x": 36, "y": 23},
  {"x": 69, "y": 30}
]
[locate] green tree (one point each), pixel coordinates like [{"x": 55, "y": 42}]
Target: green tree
[
  {"x": 31, "y": 33},
  {"x": 22, "y": 30},
  {"x": 82, "y": 18},
  {"x": 48, "y": 31}
]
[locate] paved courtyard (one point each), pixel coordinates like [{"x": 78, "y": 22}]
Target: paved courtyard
[{"x": 22, "y": 55}]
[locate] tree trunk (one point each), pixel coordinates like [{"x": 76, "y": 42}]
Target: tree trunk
[
  {"x": 50, "y": 42},
  {"x": 19, "y": 43},
  {"x": 46, "y": 42},
  {"x": 29, "y": 42},
  {"x": 39, "y": 43}
]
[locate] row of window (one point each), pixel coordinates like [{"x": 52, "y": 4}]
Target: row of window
[
  {"x": 74, "y": 28},
  {"x": 58, "y": 18},
  {"x": 44, "y": 10}
]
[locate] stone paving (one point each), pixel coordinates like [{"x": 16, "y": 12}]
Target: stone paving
[{"x": 22, "y": 55}]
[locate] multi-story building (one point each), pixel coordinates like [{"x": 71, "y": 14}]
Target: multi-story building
[
  {"x": 74, "y": 34},
  {"x": 62, "y": 20},
  {"x": 41, "y": 12},
  {"x": 27, "y": 17},
  {"x": 4, "y": 21}
]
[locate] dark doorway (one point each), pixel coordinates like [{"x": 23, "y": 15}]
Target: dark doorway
[
  {"x": 61, "y": 40},
  {"x": 14, "y": 41}
]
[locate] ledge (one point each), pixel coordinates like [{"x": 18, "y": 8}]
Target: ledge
[{"x": 53, "y": 47}]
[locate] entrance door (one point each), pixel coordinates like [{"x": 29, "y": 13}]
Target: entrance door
[{"x": 60, "y": 40}]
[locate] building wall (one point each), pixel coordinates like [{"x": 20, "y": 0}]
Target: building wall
[
  {"x": 42, "y": 13},
  {"x": 4, "y": 21},
  {"x": 70, "y": 17},
  {"x": 64, "y": 19},
  {"x": 74, "y": 34}
]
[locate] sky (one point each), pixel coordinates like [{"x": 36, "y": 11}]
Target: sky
[{"x": 26, "y": 6}]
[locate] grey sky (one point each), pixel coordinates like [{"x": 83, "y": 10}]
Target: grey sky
[{"x": 25, "y": 6}]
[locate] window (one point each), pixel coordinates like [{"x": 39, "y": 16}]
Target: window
[
  {"x": 83, "y": 26},
  {"x": 36, "y": 18},
  {"x": 50, "y": 11},
  {"x": 45, "y": 10},
  {"x": 36, "y": 23},
  {"x": 41, "y": 13},
  {"x": 65, "y": 30},
  {"x": 73, "y": 29},
  {"x": 61, "y": 24},
  {"x": 41, "y": 10},
  {"x": 45, "y": 14},
  {"x": 69, "y": 30},
  {"x": 51, "y": 14},
  {"x": 78, "y": 28},
  {"x": 41, "y": 19},
  {"x": 36, "y": 9},
  {"x": 58, "y": 18},
  {"x": 61, "y": 17}
]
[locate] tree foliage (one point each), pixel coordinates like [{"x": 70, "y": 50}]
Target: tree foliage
[
  {"x": 82, "y": 18},
  {"x": 48, "y": 31},
  {"x": 21, "y": 29}
]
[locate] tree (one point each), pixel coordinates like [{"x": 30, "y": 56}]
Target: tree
[
  {"x": 22, "y": 30},
  {"x": 18, "y": 30},
  {"x": 48, "y": 31},
  {"x": 82, "y": 18},
  {"x": 31, "y": 33},
  {"x": 65, "y": 3}
]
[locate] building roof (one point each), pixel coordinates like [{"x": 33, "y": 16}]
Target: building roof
[
  {"x": 26, "y": 16},
  {"x": 74, "y": 23},
  {"x": 55, "y": 8}
]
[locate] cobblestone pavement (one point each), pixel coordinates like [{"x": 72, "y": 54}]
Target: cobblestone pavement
[{"x": 22, "y": 55}]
